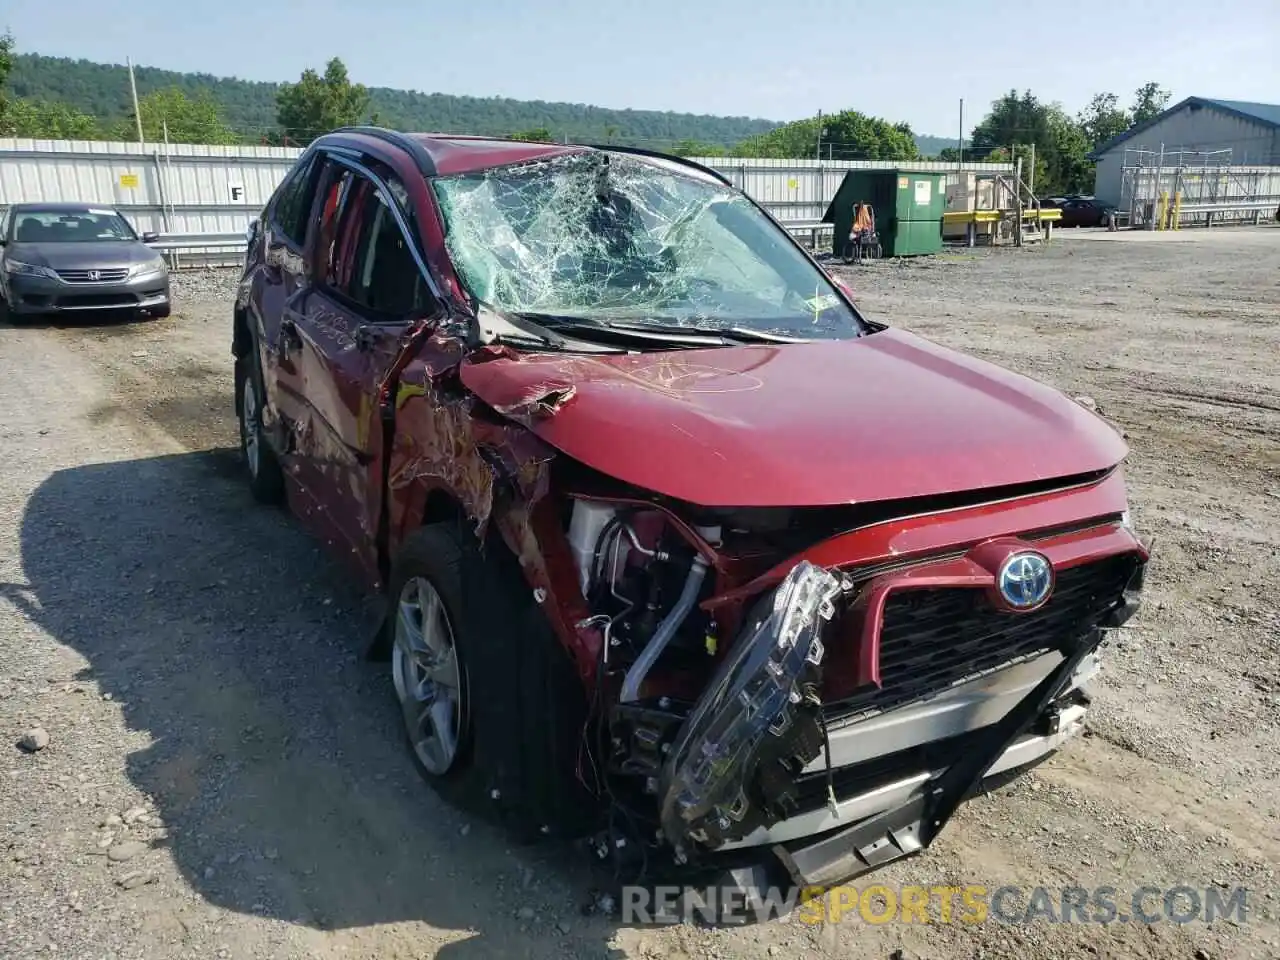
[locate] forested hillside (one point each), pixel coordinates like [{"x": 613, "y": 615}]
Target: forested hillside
[{"x": 249, "y": 108}]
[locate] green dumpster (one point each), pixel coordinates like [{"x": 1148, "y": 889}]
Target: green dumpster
[{"x": 908, "y": 207}]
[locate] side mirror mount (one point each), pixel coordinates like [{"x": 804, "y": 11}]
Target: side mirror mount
[
  {"x": 150, "y": 237},
  {"x": 844, "y": 287}
]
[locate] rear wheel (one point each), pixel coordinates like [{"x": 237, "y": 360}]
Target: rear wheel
[
  {"x": 266, "y": 480},
  {"x": 490, "y": 703}
]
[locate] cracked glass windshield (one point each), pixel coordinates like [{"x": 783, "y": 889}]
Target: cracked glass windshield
[{"x": 617, "y": 239}]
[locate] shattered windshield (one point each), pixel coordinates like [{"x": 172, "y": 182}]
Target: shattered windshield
[{"x": 610, "y": 237}]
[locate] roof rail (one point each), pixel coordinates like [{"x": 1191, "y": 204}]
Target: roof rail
[
  {"x": 421, "y": 158},
  {"x": 658, "y": 155}
]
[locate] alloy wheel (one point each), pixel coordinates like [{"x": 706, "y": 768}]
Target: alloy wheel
[
  {"x": 251, "y": 427},
  {"x": 427, "y": 676}
]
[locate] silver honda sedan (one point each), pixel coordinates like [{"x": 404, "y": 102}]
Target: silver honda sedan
[{"x": 62, "y": 258}]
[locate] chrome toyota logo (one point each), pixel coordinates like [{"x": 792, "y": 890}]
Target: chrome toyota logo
[{"x": 1025, "y": 580}]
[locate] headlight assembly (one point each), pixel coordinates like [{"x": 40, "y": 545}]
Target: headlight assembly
[
  {"x": 147, "y": 269},
  {"x": 20, "y": 269},
  {"x": 760, "y": 693}
]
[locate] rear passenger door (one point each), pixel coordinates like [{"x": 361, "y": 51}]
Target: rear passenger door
[
  {"x": 283, "y": 277},
  {"x": 367, "y": 287}
]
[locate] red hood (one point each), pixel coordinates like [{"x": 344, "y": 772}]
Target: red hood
[{"x": 877, "y": 418}]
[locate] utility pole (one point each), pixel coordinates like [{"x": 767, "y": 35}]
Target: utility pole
[
  {"x": 960, "y": 163},
  {"x": 817, "y": 154},
  {"x": 133, "y": 89}
]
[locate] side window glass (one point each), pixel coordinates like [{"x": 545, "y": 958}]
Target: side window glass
[
  {"x": 294, "y": 203},
  {"x": 371, "y": 262}
]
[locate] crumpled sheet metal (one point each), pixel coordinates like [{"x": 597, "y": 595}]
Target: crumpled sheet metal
[
  {"x": 443, "y": 439},
  {"x": 500, "y": 473},
  {"x": 433, "y": 447}
]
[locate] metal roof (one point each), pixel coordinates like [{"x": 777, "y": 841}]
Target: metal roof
[{"x": 1267, "y": 114}]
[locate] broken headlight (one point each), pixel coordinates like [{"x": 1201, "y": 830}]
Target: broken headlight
[{"x": 757, "y": 694}]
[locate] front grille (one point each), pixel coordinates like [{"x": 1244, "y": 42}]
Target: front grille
[
  {"x": 933, "y": 639},
  {"x": 113, "y": 275},
  {"x": 97, "y": 300}
]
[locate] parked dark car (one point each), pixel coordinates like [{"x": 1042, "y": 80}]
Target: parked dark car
[
  {"x": 675, "y": 545},
  {"x": 1085, "y": 212},
  {"x": 58, "y": 258}
]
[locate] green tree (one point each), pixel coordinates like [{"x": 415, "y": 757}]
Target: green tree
[
  {"x": 848, "y": 135},
  {"x": 6, "y": 67},
  {"x": 317, "y": 104},
  {"x": 251, "y": 107},
  {"x": 1066, "y": 164},
  {"x": 1019, "y": 120},
  {"x": 1148, "y": 101},
  {"x": 537, "y": 135},
  {"x": 194, "y": 119},
  {"x": 1104, "y": 119},
  {"x": 42, "y": 120}
]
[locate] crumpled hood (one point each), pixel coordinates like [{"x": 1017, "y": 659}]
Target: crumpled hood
[
  {"x": 881, "y": 417},
  {"x": 99, "y": 254}
]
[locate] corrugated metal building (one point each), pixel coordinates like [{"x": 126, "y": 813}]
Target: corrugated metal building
[
  {"x": 181, "y": 188},
  {"x": 1228, "y": 132}
]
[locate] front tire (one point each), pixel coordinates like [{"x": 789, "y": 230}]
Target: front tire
[
  {"x": 491, "y": 705},
  {"x": 266, "y": 480}
]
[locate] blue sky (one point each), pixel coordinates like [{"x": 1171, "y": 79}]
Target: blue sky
[{"x": 906, "y": 60}]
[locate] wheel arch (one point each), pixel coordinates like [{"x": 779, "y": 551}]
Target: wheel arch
[{"x": 241, "y": 334}]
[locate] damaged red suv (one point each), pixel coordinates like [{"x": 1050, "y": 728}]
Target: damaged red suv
[{"x": 676, "y": 546}]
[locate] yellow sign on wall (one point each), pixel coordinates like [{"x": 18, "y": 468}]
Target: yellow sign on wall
[{"x": 129, "y": 181}]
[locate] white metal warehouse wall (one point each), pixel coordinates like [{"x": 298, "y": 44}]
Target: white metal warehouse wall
[
  {"x": 1194, "y": 127},
  {"x": 188, "y": 188}
]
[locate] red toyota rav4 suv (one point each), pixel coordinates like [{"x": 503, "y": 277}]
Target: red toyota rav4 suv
[{"x": 673, "y": 541}]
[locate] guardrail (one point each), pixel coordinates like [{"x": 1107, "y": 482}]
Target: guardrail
[
  {"x": 190, "y": 251},
  {"x": 198, "y": 241},
  {"x": 811, "y": 227}
]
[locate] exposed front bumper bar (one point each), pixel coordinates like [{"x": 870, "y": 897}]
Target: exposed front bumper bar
[
  {"x": 1024, "y": 751},
  {"x": 967, "y": 708},
  {"x": 911, "y": 825}
]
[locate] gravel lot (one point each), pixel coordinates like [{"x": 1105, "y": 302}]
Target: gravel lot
[{"x": 224, "y": 774}]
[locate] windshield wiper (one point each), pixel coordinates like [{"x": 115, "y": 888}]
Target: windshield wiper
[{"x": 660, "y": 332}]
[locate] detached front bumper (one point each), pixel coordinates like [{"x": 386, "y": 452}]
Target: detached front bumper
[{"x": 30, "y": 295}]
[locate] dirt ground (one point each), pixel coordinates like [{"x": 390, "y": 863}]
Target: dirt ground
[{"x": 224, "y": 776}]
